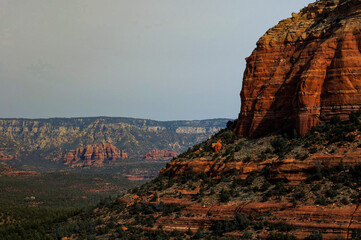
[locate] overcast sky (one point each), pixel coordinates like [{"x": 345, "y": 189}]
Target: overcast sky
[{"x": 153, "y": 59}]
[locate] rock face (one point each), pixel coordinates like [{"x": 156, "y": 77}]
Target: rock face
[
  {"x": 305, "y": 70},
  {"x": 94, "y": 155},
  {"x": 163, "y": 155}
]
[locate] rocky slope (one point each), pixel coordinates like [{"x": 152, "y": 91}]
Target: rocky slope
[
  {"x": 271, "y": 187},
  {"x": 304, "y": 70},
  {"x": 48, "y": 140}
]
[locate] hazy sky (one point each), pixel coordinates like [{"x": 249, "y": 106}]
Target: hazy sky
[{"x": 156, "y": 59}]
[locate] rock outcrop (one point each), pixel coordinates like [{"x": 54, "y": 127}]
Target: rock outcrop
[
  {"x": 94, "y": 155},
  {"x": 217, "y": 146},
  {"x": 5, "y": 157},
  {"x": 162, "y": 155},
  {"x": 305, "y": 70}
]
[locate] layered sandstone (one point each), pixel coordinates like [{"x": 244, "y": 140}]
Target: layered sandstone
[
  {"x": 304, "y": 70},
  {"x": 94, "y": 155},
  {"x": 162, "y": 155},
  {"x": 291, "y": 170}
]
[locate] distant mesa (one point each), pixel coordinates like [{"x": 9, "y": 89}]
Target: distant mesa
[
  {"x": 304, "y": 71},
  {"x": 6, "y": 170},
  {"x": 44, "y": 143},
  {"x": 94, "y": 155},
  {"x": 162, "y": 155}
]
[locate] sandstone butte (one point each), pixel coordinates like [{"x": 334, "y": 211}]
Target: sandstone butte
[
  {"x": 305, "y": 70},
  {"x": 94, "y": 155}
]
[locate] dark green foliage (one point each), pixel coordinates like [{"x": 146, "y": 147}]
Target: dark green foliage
[
  {"x": 224, "y": 196},
  {"x": 331, "y": 193},
  {"x": 143, "y": 208},
  {"x": 315, "y": 235},
  {"x": 321, "y": 200},
  {"x": 281, "y": 236},
  {"x": 157, "y": 235},
  {"x": 316, "y": 174},
  {"x": 299, "y": 194},
  {"x": 247, "y": 235},
  {"x": 345, "y": 201},
  {"x": 335, "y": 120},
  {"x": 199, "y": 234},
  {"x": 60, "y": 190},
  {"x": 316, "y": 187},
  {"x": 280, "y": 146},
  {"x": 281, "y": 227},
  {"x": 240, "y": 222},
  {"x": 280, "y": 189},
  {"x": 265, "y": 186},
  {"x": 228, "y": 137},
  {"x": 231, "y": 125},
  {"x": 313, "y": 150},
  {"x": 247, "y": 159},
  {"x": 356, "y": 234},
  {"x": 301, "y": 156},
  {"x": 33, "y": 223}
]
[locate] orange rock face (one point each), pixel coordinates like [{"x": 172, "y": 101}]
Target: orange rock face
[
  {"x": 304, "y": 70},
  {"x": 217, "y": 146},
  {"x": 93, "y": 155},
  {"x": 163, "y": 155}
]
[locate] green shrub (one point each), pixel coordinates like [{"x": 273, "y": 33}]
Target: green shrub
[
  {"x": 321, "y": 200},
  {"x": 281, "y": 236},
  {"x": 242, "y": 222},
  {"x": 299, "y": 194},
  {"x": 345, "y": 201},
  {"x": 247, "y": 235},
  {"x": 247, "y": 159},
  {"x": 315, "y": 235},
  {"x": 331, "y": 193},
  {"x": 224, "y": 196}
]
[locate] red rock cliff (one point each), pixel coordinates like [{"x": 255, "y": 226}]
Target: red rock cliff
[
  {"x": 304, "y": 70},
  {"x": 94, "y": 155}
]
